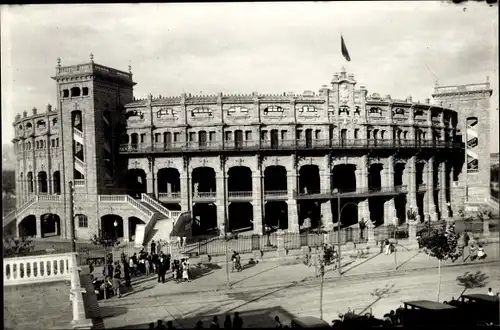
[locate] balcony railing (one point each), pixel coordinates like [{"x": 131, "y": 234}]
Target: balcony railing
[
  {"x": 37, "y": 269},
  {"x": 204, "y": 195},
  {"x": 169, "y": 195},
  {"x": 240, "y": 194},
  {"x": 113, "y": 198},
  {"x": 79, "y": 183},
  {"x": 401, "y": 188},
  {"x": 254, "y": 145},
  {"x": 51, "y": 198},
  {"x": 275, "y": 193}
]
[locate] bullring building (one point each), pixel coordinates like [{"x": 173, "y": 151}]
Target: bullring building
[{"x": 241, "y": 162}]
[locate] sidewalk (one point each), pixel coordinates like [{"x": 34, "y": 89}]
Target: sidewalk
[{"x": 269, "y": 274}]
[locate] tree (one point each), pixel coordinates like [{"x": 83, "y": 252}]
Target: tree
[
  {"x": 105, "y": 241},
  {"x": 472, "y": 281},
  {"x": 379, "y": 294},
  {"x": 16, "y": 247},
  {"x": 441, "y": 243}
]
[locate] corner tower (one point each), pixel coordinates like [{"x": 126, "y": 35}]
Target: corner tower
[
  {"x": 472, "y": 103},
  {"x": 91, "y": 99}
]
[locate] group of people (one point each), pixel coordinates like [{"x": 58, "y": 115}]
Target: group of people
[
  {"x": 236, "y": 259},
  {"x": 235, "y": 323}
]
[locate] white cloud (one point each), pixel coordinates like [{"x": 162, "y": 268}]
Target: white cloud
[{"x": 245, "y": 47}]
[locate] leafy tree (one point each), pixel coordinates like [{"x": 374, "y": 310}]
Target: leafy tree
[
  {"x": 441, "y": 243},
  {"x": 379, "y": 294},
  {"x": 16, "y": 247},
  {"x": 472, "y": 281}
]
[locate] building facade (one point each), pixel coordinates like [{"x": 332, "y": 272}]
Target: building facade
[{"x": 241, "y": 162}]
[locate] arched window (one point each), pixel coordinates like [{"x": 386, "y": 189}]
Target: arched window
[
  {"x": 85, "y": 91},
  {"x": 75, "y": 91},
  {"x": 65, "y": 93}
]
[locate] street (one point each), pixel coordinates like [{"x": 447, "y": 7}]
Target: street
[{"x": 259, "y": 306}]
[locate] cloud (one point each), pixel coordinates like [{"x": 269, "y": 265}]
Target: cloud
[{"x": 245, "y": 47}]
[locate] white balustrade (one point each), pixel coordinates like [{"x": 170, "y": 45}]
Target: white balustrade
[
  {"x": 166, "y": 212},
  {"x": 37, "y": 269},
  {"x": 52, "y": 198},
  {"x": 79, "y": 183},
  {"x": 113, "y": 198},
  {"x": 175, "y": 214},
  {"x": 140, "y": 207}
]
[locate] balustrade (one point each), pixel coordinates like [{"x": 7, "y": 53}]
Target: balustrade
[
  {"x": 36, "y": 269},
  {"x": 169, "y": 195},
  {"x": 79, "y": 183},
  {"x": 240, "y": 194}
]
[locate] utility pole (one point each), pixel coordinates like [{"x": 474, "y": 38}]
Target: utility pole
[
  {"x": 338, "y": 233},
  {"x": 223, "y": 163},
  {"x": 71, "y": 216}
]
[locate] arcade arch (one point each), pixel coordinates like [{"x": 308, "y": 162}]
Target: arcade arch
[
  {"x": 276, "y": 214},
  {"x": 27, "y": 226},
  {"x": 136, "y": 182},
  {"x": 51, "y": 225},
  {"x": 108, "y": 227},
  {"x": 275, "y": 178},
  {"x": 169, "y": 180},
  {"x": 204, "y": 180},
  {"x": 239, "y": 179},
  {"x": 204, "y": 219},
  {"x": 344, "y": 177},
  {"x": 240, "y": 216},
  {"x": 309, "y": 179}
]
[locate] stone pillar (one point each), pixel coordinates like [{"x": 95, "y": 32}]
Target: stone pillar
[
  {"x": 280, "y": 238},
  {"x": 257, "y": 203},
  {"x": 363, "y": 211},
  {"x": 412, "y": 232},
  {"x": 425, "y": 180},
  {"x": 186, "y": 197},
  {"x": 326, "y": 214},
  {"x": 293, "y": 219},
  {"x": 362, "y": 172},
  {"x": 390, "y": 215},
  {"x": 221, "y": 212},
  {"x": 126, "y": 229},
  {"x": 370, "y": 229},
  {"x": 150, "y": 182},
  {"x": 411, "y": 198},
  {"x": 486, "y": 227},
  {"x": 39, "y": 227},
  {"x": 389, "y": 173},
  {"x": 443, "y": 206},
  {"x": 430, "y": 190}
]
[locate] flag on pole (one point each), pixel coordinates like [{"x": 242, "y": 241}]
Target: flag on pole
[{"x": 343, "y": 48}]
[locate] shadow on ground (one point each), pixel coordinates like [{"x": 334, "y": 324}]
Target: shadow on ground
[
  {"x": 109, "y": 311},
  {"x": 259, "y": 318}
]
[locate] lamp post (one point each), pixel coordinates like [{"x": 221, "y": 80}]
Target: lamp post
[
  {"x": 115, "y": 224},
  {"x": 448, "y": 207}
]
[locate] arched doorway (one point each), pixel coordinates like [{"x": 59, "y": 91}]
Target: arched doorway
[
  {"x": 169, "y": 182},
  {"x": 132, "y": 225},
  {"x": 276, "y": 214},
  {"x": 344, "y": 177},
  {"x": 51, "y": 225},
  {"x": 204, "y": 219},
  {"x": 112, "y": 226},
  {"x": 240, "y": 217},
  {"x": 310, "y": 209},
  {"x": 203, "y": 180},
  {"x": 57, "y": 182},
  {"x": 275, "y": 178},
  {"x": 27, "y": 226},
  {"x": 42, "y": 182},
  {"x": 309, "y": 180},
  {"x": 136, "y": 182},
  {"x": 239, "y": 179}
]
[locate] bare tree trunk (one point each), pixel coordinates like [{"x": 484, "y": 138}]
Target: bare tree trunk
[
  {"x": 439, "y": 279},
  {"x": 321, "y": 298}
]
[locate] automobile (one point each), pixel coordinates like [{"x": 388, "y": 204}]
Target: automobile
[
  {"x": 480, "y": 308},
  {"x": 308, "y": 322},
  {"x": 428, "y": 313}
]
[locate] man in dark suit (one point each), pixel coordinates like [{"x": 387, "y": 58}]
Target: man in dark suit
[{"x": 162, "y": 268}]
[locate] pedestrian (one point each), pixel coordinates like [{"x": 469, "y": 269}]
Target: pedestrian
[
  {"x": 473, "y": 252},
  {"x": 151, "y": 325},
  {"x": 146, "y": 266},
  {"x": 490, "y": 292},
  {"x": 387, "y": 246},
  {"x": 199, "y": 325},
  {"x": 131, "y": 266},
  {"x": 215, "y": 323},
  {"x": 227, "y": 322},
  {"x": 278, "y": 322},
  {"x": 185, "y": 271},
  {"x": 237, "y": 321},
  {"x": 160, "y": 325},
  {"x": 480, "y": 253},
  {"x": 161, "y": 270},
  {"x": 153, "y": 247},
  {"x": 170, "y": 325},
  {"x": 179, "y": 241},
  {"x": 184, "y": 241},
  {"x": 116, "y": 280}
]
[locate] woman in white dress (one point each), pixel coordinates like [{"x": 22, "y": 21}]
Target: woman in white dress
[{"x": 185, "y": 267}]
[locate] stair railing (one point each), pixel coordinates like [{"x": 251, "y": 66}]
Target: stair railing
[{"x": 162, "y": 209}]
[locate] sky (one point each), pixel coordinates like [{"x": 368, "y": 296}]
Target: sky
[{"x": 396, "y": 48}]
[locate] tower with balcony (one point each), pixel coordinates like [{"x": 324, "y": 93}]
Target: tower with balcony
[
  {"x": 90, "y": 98},
  {"x": 471, "y": 172}
]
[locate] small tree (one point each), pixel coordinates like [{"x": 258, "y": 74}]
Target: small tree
[
  {"x": 105, "y": 241},
  {"x": 442, "y": 244},
  {"x": 16, "y": 247},
  {"x": 379, "y": 294},
  {"x": 472, "y": 281},
  {"x": 484, "y": 214},
  {"x": 411, "y": 215}
]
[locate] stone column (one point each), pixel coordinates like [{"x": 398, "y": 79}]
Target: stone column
[
  {"x": 186, "y": 197},
  {"x": 389, "y": 173},
  {"x": 220, "y": 202},
  {"x": 412, "y": 232},
  {"x": 257, "y": 203},
  {"x": 293, "y": 219},
  {"x": 362, "y": 173},
  {"x": 425, "y": 180},
  {"x": 126, "y": 229},
  {"x": 39, "y": 227},
  {"x": 364, "y": 211},
  {"x": 443, "y": 206},
  {"x": 326, "y": 215},
  {"x": 430, "y": 190},
  {"x": 486, "y": 227},
  {"x": 390, "y": 215},
  {"x": 411, "y": 198},
  {"x": 326, "y": 187},
  {"x": 150, "y": 182},
  {"x": 370, "y": 229}
]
